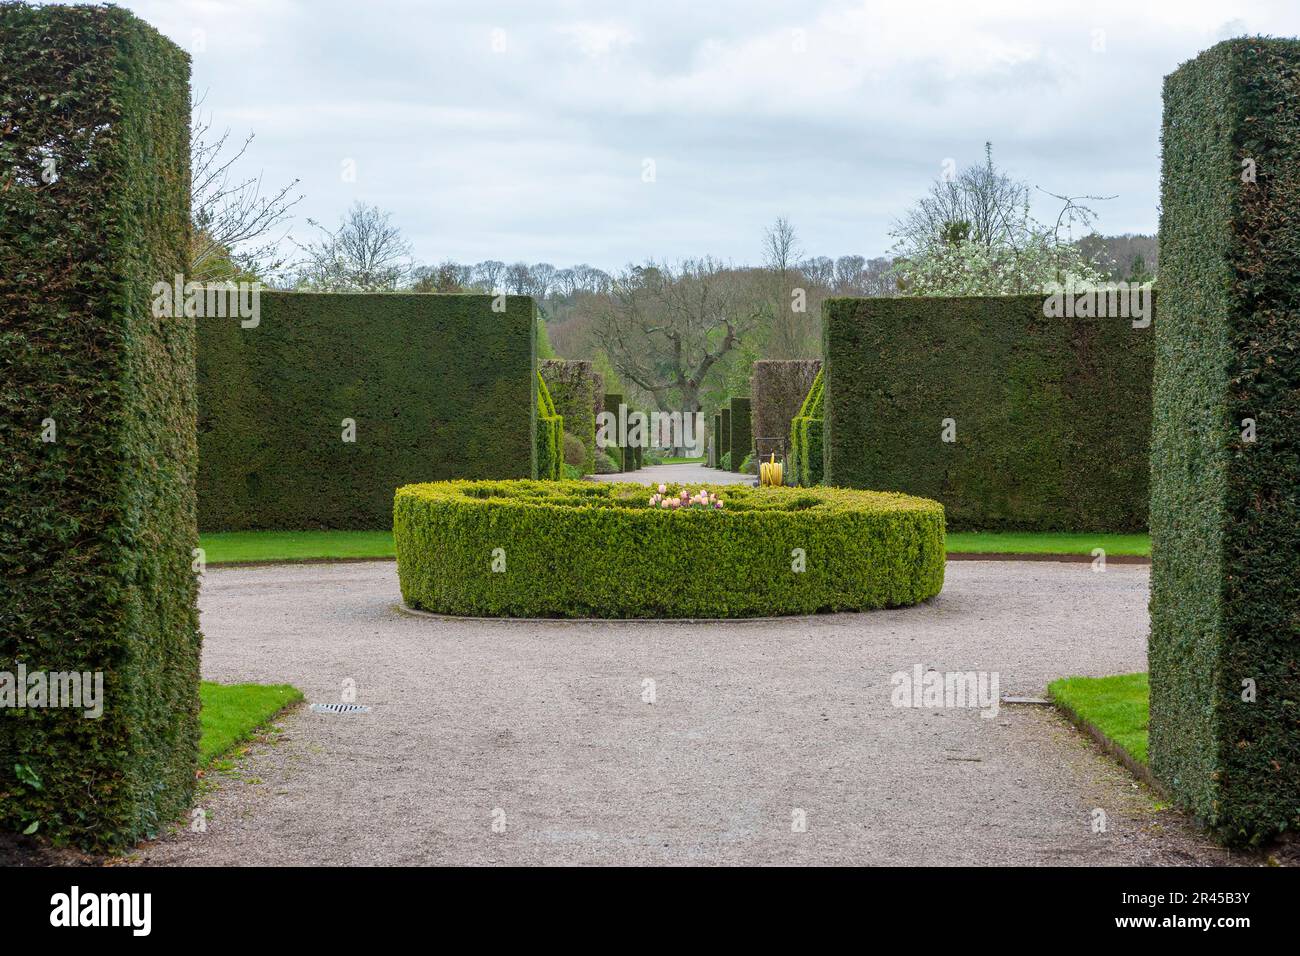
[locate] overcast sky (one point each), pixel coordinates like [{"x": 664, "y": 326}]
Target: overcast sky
[{"x": 524, "y": 130}]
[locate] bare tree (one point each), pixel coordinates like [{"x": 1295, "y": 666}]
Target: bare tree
[
  {"x": 446, "y": 276},
  {"x": 986, "y": 206},
  {"x": 848, "y": 273},
  {"x": 981, "y": 204},
  {"x": 367, "y": 253},
  {"x": 237, "y": 228},
  {"x": 819, "y": 270},
  {"x": 541, "y": 278},
  {"x": 665, "y": 329},
  {"x": 488, "y": 274},
  {"x": 518, "y": 279},
  {"x": 790, "y": 326},
  {"x": 566, "y": 283},
  {"x": 593, "y": 280}
]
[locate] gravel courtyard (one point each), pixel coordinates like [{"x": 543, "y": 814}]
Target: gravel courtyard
[{"x": 541, "y": 729}]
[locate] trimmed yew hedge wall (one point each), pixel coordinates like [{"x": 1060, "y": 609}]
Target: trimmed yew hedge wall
[
  {"x": 439, "y": 386},
  {"x": 741, "y": 442},
  {"x": 582, "y": 549},
  {"x": 806, "y": 431},
  {"x": 777, "y": 390},
  {"x": 97, "y": 412},
  {"x": 550, "y": 435},
  {"x": 1052, "y": 415},
  {"x": 1225, "y": 511},
  {"x": 611, "y": 402},
  {"x": 572, "y": 385}
]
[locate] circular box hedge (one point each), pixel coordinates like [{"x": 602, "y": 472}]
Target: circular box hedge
[{"x": 582, "y": 549}]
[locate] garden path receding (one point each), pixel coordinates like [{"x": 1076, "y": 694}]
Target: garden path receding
[{"x": 544, "y": 723}]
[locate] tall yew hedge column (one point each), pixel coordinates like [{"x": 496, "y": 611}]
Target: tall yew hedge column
[
  {"x": 97, "y": 425},
  {"x": 1225, "y": 456}
]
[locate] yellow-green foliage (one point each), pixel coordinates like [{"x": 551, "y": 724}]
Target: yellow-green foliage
[
  {"x": 806, "y": 435},
  {"x": 579, "y": 549},
  {"x": 550, "y": 434}
]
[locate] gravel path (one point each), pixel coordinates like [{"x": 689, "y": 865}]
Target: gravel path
[
  {"x": 542, "y": 726},
  {"x": 691, "y": 474}
]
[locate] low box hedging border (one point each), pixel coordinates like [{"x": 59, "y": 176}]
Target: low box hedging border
[{"x": 584, "y": 549}]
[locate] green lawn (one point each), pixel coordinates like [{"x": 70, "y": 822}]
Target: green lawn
[
  {"x": 297, "y": 545},
  {"x": 293, "y": 545},
  {"x": 232, "y": 712},
  {"x": 1011, "y": 542},
  {"x": 1118, "y": 706},
  {"x": 682, "y": 461}
]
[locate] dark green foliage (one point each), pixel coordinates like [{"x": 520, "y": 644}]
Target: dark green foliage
[
  {"x": 572, "y": 388},
  {"x": 805, "y": 465},
  {"x": 581, "y": 549},
  {"x": 741, "y": 443},
  {"x": 549, "y": 433},
  {"x": 439, "y": 386},
  {"x": 611, "y": 403},
  {"x": 575, "y": 454},
  {"x": 1052, "y": 416},
  {"x": 1225, "y": 511},
  {"x": 97, "y": 526},
  {"x": 724, "y": 432},
  {"x": 777, "y": 390},
  {"x": 725, "y": 464},
  {"x": 717, "y": 440}
]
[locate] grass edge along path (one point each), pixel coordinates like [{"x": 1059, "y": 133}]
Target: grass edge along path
[
  {"x": 1113, "y": 711},
  {"x": 252, "y": 547},
  {"x": 232, "y": 713}
]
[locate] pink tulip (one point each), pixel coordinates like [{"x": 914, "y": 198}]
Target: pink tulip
[
  {"x": 662, "y": 489},
  {"x": 665, "y": 503}
]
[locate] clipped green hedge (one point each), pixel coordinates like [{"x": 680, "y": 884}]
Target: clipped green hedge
[
  {"x": 572, "y": 387},
  {"x": 717, "y": 439},
  {"x": 581, "y": 549},
  {"x": 439, "y": 386},
  {"x": 611, "y": 404},
  {"x": 778, "y": 389},
  {"x": 1052, "y": 415},
  {"x": 1225, "y": 511},
  {"x": 549, "y": 435},
  {"x": 742, "y": 440},
  {"x": 806, "y": 457},
  {"x": 97, "y": 525},
  {"x": 724, "y": 430}
]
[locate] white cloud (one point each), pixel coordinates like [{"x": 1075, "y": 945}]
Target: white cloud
[{"x": 835, "y": 114}]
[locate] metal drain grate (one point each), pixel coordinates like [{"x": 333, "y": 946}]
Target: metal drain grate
[{"x": 340, "y": 709}]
